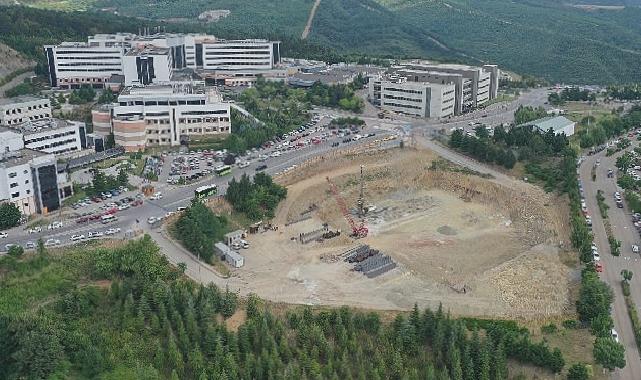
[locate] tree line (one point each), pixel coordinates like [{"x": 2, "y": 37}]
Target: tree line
[
  {"x": 571, "y": 94},
  {"x": 150, "y": 322},
  {"x": 608, "y": 127}
]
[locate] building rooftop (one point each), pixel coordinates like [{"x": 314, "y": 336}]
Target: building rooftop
[
  {"x": 555, "y": 122},
  {"x": 36, "y": 126},
  {"x": 19, "y": 99},
  {"x": 20, "y": 157},
  {"x": 148, "y": 50}
]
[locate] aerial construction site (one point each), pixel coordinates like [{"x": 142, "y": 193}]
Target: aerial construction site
[{"x": 385, "y": 228}]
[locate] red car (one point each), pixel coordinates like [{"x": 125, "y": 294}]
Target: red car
[{"x": 598, "y": 266}]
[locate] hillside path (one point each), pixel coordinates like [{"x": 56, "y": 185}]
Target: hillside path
[{"x": 310, "y": 19}]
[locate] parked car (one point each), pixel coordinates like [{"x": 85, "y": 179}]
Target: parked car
[
  {"x": 51, "y": 242},
  {"x": 30, "y": 245},
  {"x": 615, "y": 335},
  {"x": 3, "y": 235},
  {"x": 77, "y": 237}
]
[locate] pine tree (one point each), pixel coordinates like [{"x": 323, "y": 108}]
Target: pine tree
[
  {"x": 175, "y": 357},
  {"x": 456, "y": 371},
  {"x": 127, "y": 311},
  {"x": 484, "y": 360},
  {"x": 469, "y": 372},
  {"x": 499, "y": 363}
]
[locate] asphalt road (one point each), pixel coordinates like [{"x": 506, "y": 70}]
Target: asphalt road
[
  {"x": 175, "y": 196},
  {"x": 624, "y": 231}
]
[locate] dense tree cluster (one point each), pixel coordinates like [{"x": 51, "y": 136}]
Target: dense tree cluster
[
  {"x": 258, "y": 198},
  {"x": 571, "y": 94},
  {"x": 102, "y": 182},
  {"x": 529, "y": 144},
  {"x": 526, "y": 114},
  {"x": 148, "y": 322},
  {"x": 9, "y": 215},
  {"x": 608, "y": 127},
  {"x": 626, "y": 92},
  {"x": 346, "y": 122},
  {"x": 84, "y": 94},
  {"x": 336, "y": 96},
  {"x": 198, "y": 228}
]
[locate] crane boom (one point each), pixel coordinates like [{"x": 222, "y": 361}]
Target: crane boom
[{"x": 358, "y": 231}]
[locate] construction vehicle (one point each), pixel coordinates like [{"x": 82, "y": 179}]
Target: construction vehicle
[{"x": 358, "y": 230}]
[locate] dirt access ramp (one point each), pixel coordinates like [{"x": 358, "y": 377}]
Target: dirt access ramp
[{"x": 476, "y": 246}]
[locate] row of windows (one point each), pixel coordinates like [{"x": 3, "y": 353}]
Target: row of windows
[
  {"x": 77, "y": 80},
  {"x": 14, "y": 174},
  {"x": 15, "y": 184},
  {"x": 216, "y": 63},
  {"x": 203, "y": 120},
  {"x": 35, "y": 117},
  {"x": 92, "y": 52},
  {"x": 29, "y": 108},
  {"x": 116, "y": 69},
  {"x": 91, "y": 64},
  {"x": 232, "y": 54},
  {"x": 407, "y": 91},
  {"x": 63, "y": 60},
  {"x": 58, "y": 143},
  {"x": 164, "y": 103},
  {"x": 403, "y": 98},
  {"x": 49, "y": 137},
  {"x": 401, "y": 105},
  {"x": 17, "y": 194}
]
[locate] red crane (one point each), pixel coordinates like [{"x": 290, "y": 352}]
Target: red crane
[{"x": 358, "y": 231}]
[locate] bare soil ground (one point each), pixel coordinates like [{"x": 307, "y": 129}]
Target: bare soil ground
[
  {"x": 476, "y": 246},
  {"x": 11, "y": 60}
]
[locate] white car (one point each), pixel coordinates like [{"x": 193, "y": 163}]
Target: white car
[
  {"x": 54, "y": 225},
  {"x": 112, "y": 231},
  {"x": 615, "y": 335},
  {"x": 77, "y": 237},
  {"x": 635, "y": 248},
  {"x": 596, "y": 256},
  {"x": 51, "y": 242},
  {"x": 3, "y": 235},
  {"x": 30, "y": 245},
  {"x": 151, "y": 219},
  {"x": 243, "y": 164},
  {"x": 35, "y": 230},
  {"x": 123, "y": 207}
]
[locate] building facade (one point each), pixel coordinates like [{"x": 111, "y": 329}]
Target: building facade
[
  {"x": 143, "y": 66},
  {"x": 166, "y": 115},
  {"x": 23, "y": 109},
  {"x": 425, "y": 100},
  {"x": 73, "y": 64},
  {"x": 54, "y": 136},
  {"x": 28, "y": 178}
]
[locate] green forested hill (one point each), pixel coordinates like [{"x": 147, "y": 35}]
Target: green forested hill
[
  {"x": 125, "y": 313},
  {"x": 556, "y": 40}
]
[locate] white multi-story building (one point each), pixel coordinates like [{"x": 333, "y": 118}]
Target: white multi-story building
[
  {"x": 163, "y": 115},
  {"x": 28, "y": 178},
  {"x": 15, "y": 111},
  {"x": 54, "y": 136},
  {"x": 72, "y": 64},
  {"x": 427, "y": 100},
  {"x": 147, "y": 65},
  {"x": 210, "y": 53},
  {"x": 484, "y": 79}
]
